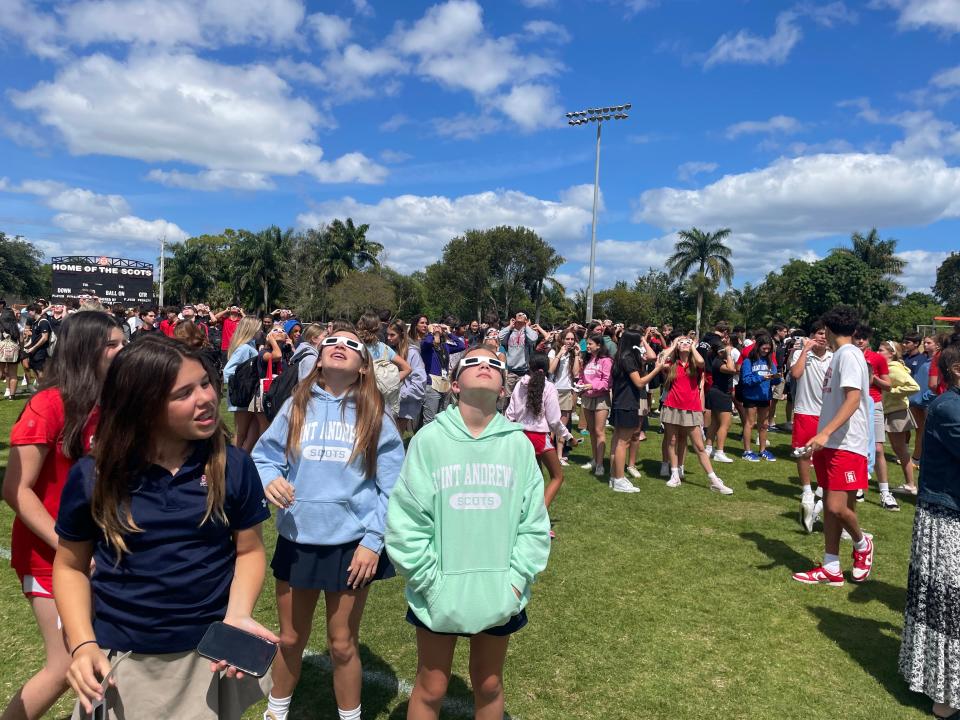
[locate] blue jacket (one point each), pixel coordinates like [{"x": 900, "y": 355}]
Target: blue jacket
[
  {"x": 939, "y": 479},
  {"x": 921, "y": 373},
  {"x": 333, "y": 502},
  {"x": 754, "y": 386}
]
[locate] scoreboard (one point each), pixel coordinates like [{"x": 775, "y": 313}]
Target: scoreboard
[{"x": 113, "y": 280}]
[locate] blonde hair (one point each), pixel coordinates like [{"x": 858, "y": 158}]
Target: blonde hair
[
  {"x": 312, "y": 332},
  {"x": 364, "y": 393},
  {"x": 247, "y": 329},
  {"x": 893, "y": 348}
]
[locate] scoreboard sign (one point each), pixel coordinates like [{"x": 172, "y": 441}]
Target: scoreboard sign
[{"x": 111, "y": 279}]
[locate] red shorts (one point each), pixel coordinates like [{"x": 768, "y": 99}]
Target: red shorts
[
  {"x": 840, "y": 469},
  {"x": 36, "y": 585},
  {"x": 804, "y": 429},
  {"x": 540, "y": 441}
]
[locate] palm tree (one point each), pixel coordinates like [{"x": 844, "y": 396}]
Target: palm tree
[
  {"x": 260, "y": 261},
  {"x": 877, "y": 254},
  {"x": 187, "y": 271},
  {"x": 347, "y": 249},
  {"x": 706, "y": 253}
]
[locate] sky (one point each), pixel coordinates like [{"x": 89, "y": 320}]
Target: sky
[{"x": 793, "y": 124}]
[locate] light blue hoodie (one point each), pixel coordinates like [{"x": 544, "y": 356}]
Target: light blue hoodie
[{"x": 333, "y": 502}]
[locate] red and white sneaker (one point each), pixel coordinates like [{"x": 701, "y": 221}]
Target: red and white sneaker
[
  {"x": 819, "y": 576},
  {"x": 862, "y": 562}
]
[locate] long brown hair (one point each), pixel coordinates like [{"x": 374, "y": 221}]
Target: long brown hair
[
  {"x": 75, "y": 371},
  {"x": 403, "y": 345},
  {"x": 246, "y": 330},
  {"x": 693, "y": 372},
  {"x": 368, "y": 400},
  {"x": 135, "y": 393}
]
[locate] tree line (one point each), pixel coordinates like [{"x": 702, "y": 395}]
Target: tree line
[{"x": 337, "y": 271}]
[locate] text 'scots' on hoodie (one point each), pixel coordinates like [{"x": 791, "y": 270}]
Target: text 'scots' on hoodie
[
  {"x": 467, "y": 524},
  {"x": 333, "y": 502}
]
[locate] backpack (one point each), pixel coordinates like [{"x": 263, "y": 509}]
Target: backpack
[
  {"x": 388, "y": 383},
  {"x": 244, "y": 384},
  {"x": 9, "y": 349},
  {"x": 281, "y": 388}
]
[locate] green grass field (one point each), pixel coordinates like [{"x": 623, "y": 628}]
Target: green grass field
[{"x": 664, "y": 604}]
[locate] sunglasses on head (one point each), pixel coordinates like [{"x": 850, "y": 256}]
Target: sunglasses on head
[
  {"x": 354, "y": 345},
  {"x": 492, "y": 362}
]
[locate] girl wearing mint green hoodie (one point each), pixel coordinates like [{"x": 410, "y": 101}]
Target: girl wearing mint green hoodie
[
  {"x": 329, "y": 462},
  {"x": 468, "y": 530}
]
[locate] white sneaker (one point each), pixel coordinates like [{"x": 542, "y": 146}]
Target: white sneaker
[
  {"x": 664, "y": 470},
  {"x": 888, "y": 502},
  {"x": 844, "y": 535},
  {"x": 818, "y": 510},
  {"x": 23, "y": 383},
  {"x": 633, "y": 472},
  {"x": 588, "y": 465},
  {"x": 622, "y": 485},
  {"x": 599, "y": 471},
  {"x": 718, "y": 486},
  {"x": 673, "y": 482},
  {"x": 683, "y": 472},
  {"x": 709, "y": 449},
  {"x": 721, "y": 457},
  {"x": 6, "y": 393},
  {"x": 807, "y": 512},
  {"x": 574, "y": 418}
]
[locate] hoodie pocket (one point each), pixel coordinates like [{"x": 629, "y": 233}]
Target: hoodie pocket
[
  {"x": 318, "y": 522},
  {"x": 473, "y": 602}
]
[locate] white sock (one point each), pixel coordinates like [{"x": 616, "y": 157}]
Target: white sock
[
  {"x": 831, "y": 563},
  {"x": 884, "y": 487},
  {"x": 349, "y": 714},
  {"x": 819, "y": 492},
  {"x": 279, "y": 706},
  {"x": 713, "y": 477},
  {"x": 674, "y": 473},
  {"x": 807, "y": 490},
  {"x": 708, "y": 449},
  {"x": 861, "y": 544},
  {"x": 683, "y": 471}
]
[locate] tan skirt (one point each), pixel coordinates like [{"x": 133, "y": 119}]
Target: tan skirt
[
  {"x": 567, "y": 400},
  {"x": 601, "y": 402},
  {"x": 900, "y": 421},
  {"x": 178, "y": 685},
  {"x": 683, "y": 418}
]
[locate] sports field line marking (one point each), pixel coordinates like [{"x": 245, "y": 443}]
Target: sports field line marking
[
  {"x": 4, "y": 553},
  {"x": 453, "y": 706}
]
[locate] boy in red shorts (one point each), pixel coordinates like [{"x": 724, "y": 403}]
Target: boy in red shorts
[
  {"x": 808, "y": 367},
  {"x": 840, "y": 450}
]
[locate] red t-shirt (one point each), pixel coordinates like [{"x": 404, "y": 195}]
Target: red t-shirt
[
  {"x": 935, "y": 375},
  {"x": 42, "y": 424},
  {"x": 684, "y": 391},
  {"x": 229, "y": 327},
  {"x": 167, "y": 327},
  {"x": 878, "y": 363}
]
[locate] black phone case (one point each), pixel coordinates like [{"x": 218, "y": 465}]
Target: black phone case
[{"x": 204, "y": 652}]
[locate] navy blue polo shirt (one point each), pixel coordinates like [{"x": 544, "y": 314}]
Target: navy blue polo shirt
[{"x": 175, "y": 579}]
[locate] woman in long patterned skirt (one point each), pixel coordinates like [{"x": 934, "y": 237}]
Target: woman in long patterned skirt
[{"x": 930, "y": 650}]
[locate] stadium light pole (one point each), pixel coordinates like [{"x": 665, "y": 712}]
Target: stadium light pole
[
  {"x": 598, "y": 115},
  {"x": 163, "y": 251}
]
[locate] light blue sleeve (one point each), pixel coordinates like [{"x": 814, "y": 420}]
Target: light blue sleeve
[
  {"x": 415, "y": 384},
  {"x": 270, "y": 452},
  {"x": 306, "y": 366},
  {"x": 240, "y": 356},
  {"x": 389, "y": 462},
  {"x": 387, "y": 352}
]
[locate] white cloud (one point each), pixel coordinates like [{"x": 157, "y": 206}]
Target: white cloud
[
  {"x": 212, "y": 180},
  {"x": 331, "y": 31},
  {"x": 395, "y": 156},
  {"x": 547, "y": 29},
  {"x": 748, "y": 48},
  {"x": 161, "y": 107},
  {"x": 537, "y": 3},
  {"x": 777, "y": 124},
  {"x": 940, "y": 14},
  {"x": 921, "y": 271},
  {"x": 466, "y": 126},
  {"x": 947, "y": 78},
  {"x": 36, "y": 30},
  {"x": 689, "y": 170},
  {"x": 21, "y": 134},
  {"x": 794, "y": 200},
  {"x": 210, "y": 23},
  {"x": 395, "y": 122},
  {"x": 415, "y": 228},
  {"x": 362, "y": 8},
  {"x": 90, "y": 215},
  {"x": 581, "y": 196},
  {"x": 531, "y": 106}
]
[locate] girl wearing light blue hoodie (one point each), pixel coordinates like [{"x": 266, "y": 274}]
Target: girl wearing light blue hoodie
[{"x": 328, "y": 462}]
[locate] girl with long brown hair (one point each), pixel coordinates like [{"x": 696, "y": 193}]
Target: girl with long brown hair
[
  {"x": 329, "y": 461},
  {"x": 171, "y": 514},
  {"x": 682, "y": 414},
  {"x": 53, "y": 431},
  {"x": 415, "y": 384},
  {"x": 250, "y": 422}
]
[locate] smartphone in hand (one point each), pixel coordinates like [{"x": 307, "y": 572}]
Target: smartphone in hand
[{"x": 245, "y": 651}]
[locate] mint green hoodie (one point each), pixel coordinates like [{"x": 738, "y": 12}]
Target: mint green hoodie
[{"x": 466, "y": 524}]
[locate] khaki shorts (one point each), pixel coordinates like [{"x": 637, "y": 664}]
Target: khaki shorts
[
  {"x": 778, "y": 391},
  {"x": 178, "y": 685},
  {"x": 567, "y": 400},
  {"x": 602, "y": 402},
  {"x": 900, "y": 421}
]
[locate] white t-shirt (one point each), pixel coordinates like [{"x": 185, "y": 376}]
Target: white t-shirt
[
  {"x": 848, "y": 369},
  {"x": 736, "y": 356},
  {"x": 808, "y": 390},
  {"x": 561, "y": 378}
]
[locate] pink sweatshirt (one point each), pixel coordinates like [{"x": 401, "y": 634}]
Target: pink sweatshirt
[
  {"x": 597, "y": 373},
  {"x": 548, "y": 421}
]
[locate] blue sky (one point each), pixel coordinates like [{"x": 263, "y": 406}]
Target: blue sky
[{"x": 792, "y": 123}]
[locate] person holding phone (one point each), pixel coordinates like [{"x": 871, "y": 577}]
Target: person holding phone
[
  {"x": 329, "y": 462},
  {"x": 757, "y": 375},
  {"x": 170, "y": 513}
]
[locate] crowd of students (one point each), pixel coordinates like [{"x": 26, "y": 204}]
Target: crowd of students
[{"x": 138, "y": 518}]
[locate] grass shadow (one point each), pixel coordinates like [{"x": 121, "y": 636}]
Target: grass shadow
[
  {"x": 780, "y": 554},
  {"x": 774, "y": 488},
  {"x": 457, "y": 704},
  {"x": 874, "y": 646},
  {"x": 892, "y": 596},
  {"x": 314, "y": 694}
]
